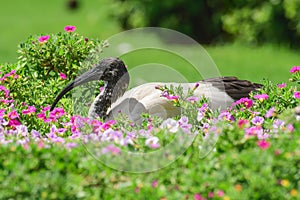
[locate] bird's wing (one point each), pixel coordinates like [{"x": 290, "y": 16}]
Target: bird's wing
[{"x": 233, "y": 86}]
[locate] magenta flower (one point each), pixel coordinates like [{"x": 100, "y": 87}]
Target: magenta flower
[
  {"x": 253, "y": 130},
  {"x": 44, "y": 38},
  {"x": 197, "y": 196},
  {"x": 6, "y": 91},
  {"x": 244, "y": 101},
  {"x": 14, "y": 123},
  {"x": 263, "y": 144},
  {"x": 44, "y": 109},
  {"x": 281, "y": 85},
  {"x": 261, "y": 97},
  {"x": 13, "y": 115},
  {"x": 57, "y": 113},
  {"x": 154, "y": 184},
  {"x": 295, "y": 69},
  {"x": 192, "y": 99},
  {"x": 70, "y": 28},
  {"x": 210, "y": 195},
  {"x": 29, "y": 110},
  {"x": 290, "y": 128},
  {"x": 62, "y": 76},
  {"x": 220, "y": 193},
  {"x": 242, "y": 123},
  {"x": 297, "y": 95},
  {"x": 173, "y": 98}
]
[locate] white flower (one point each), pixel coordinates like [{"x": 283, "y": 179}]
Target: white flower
[{"x": 171, "y": 125}]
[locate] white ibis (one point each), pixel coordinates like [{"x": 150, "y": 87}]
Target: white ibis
[{"x": 146, "y": 98}]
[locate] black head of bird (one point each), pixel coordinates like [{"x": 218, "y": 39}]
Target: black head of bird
[{"x": 115, "y": 76}]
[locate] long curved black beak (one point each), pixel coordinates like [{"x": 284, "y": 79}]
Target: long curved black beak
[{"x": 91, "y": 75}]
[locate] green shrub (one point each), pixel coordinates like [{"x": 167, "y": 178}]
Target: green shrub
[{"x": 253, "y": 22}]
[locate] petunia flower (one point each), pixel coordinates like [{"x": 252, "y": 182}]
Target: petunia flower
[
  {"x": 13, "y": 115},
  {"x": 154, "y": 184},
  {"x": 253, "y": 130},
  {"x": 44, "y": 38},
  {"x": 261, "y": 97},
  {"x": 263, "y": 144},
  {"x": 226, "y": 116},
  {"x": 244, "y": 101},
  {"x": 220, "y": 193},
  {"x": 170, "y": 124},
  {"x": 152, "y": 142},
  {"x": 281, "y": 85},
  {"x": 297, "y": 95},
  {"x": 29, "y": 110},
  {"x": 242, "y": 123},
  {"x": 270, "y": 112},
  {"x": 70, "y": 28},
  {"x": 295, "y": 69},
  {"x": 192, "y": 99},
  {"x": 257, "y": 120},
  {"x": 62, "y": 76},
  {"x": 111, "y": 149}
]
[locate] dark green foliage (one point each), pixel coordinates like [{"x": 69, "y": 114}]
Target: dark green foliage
[{"x": 210, "y": 21}]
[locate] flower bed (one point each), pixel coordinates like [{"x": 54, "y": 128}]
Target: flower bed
[{"x": 249, "y": 151}]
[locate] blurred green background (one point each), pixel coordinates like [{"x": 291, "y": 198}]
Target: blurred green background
[{"x": 249, "y": 39}]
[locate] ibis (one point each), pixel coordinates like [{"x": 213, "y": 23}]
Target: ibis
[{"x": 147, "y": 98}]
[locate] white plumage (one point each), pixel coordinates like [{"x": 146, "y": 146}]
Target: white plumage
[{"x": 114, "y": 99}]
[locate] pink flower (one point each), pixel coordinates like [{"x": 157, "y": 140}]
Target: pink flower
[
  {"x": 6, "y": 91},
  {"x": 70, "y": 28},
  {"x": 297, "y": 95},
  {"x": 295, "y": 69},
  {"x": 41, "y": 116},
  {"x": 44, "y": 38},
  {"x": 220, "y": 193},
  {"x": 281, "y": 85},
  {"x": 210, "y": 195},
  {"x": 263, "y": 144},
  {"x": 152, "y": 142},
  {"x": 14, "y": 122},
  {"x": 29, "y": 110},
  {"x": 57, "y": 113},
  {"x": 244, "y": 101},
  {"x": 226, "y": 116},
  {"x": 261, "y": 97},
  {"x": 44, "y": 109},
  {"x": 137, "y": 189},
  {"x": 13, "y": 114},
  {"x": 173, "y": 98},
  {"x": 242, "y": 123},
  {"x": 290, "y": 128},
  {"x": 111, "y": 149},
  {"x": 62, "y": 76},
  {"x": 154, "y": 184},
  {"x": 197, "y": 196},
  {"x": 192, "y": 99},
  {"x": 270, "y": 112},
  {"x": 253, "y": 130}
]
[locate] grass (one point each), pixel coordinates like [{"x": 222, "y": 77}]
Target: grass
[{"x": 94, "y": 19}]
